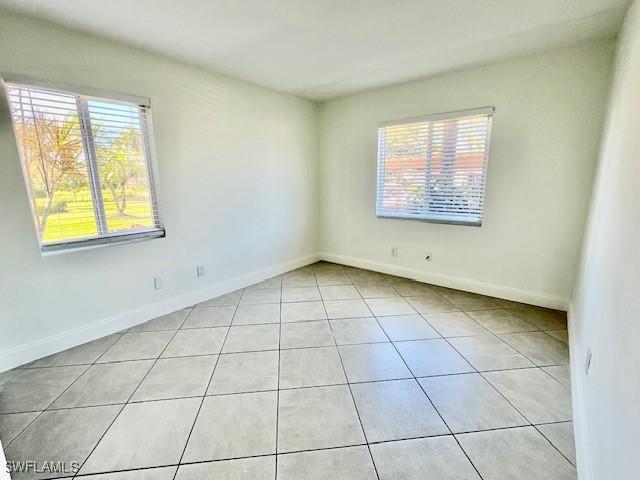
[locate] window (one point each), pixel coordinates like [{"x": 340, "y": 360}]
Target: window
[
  {"x": 87, "y": 163},
  {"x": 434, "y": 168}
]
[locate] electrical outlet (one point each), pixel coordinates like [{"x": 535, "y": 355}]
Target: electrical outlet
[
  {"x": 157, "y": 283},
  {"x": 199, "y": 271},
  {"x": 394, "y": 251},
  {"x": 428, "y": 257}
]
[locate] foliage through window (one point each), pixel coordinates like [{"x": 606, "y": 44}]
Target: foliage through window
[
  {"x": 87, "y": 165},
  {"x": 434, "y": 168}
]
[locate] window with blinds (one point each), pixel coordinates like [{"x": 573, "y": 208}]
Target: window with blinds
[
  {"x": 88, "y": 166},
  {"x": 434, "y": 168}
]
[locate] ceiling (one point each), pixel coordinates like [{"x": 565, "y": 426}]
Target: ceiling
[{"x": 325, "y": 48}]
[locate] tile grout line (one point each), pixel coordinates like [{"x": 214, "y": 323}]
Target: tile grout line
[
  {"x": 183, "y": 328},
  {"x": 129, "y": 401},
  {"x": 535, "y": 365},
  {"x": 287, "y": 388},
  {"x": 47, "y": 408},
  {"x": 479, "y": 372},
  {"x": 531, "y": 424},
  {"x": 198, "y": 462},
  {"x": 426, "y": 339},
  {"x": 430, "y": 401},
  {"x": 278, "y": 380},
  {"x": 439, "y": 337},
  {"x": 551, "y": 443},
  {"x": 446, "y": 339},
  {"x": 355, "y": 406},
  {"x": 525, "y": 356},
  {"x": 507, "y": 343},
  {"x": 378, "y": 442},
  {"x": 132, "y": 393},
  {"x": 204, "y": 396},
  {"x": 381, "y": 442}
]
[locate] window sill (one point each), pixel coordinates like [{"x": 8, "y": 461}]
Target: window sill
[
  {"x": 90, "y": 244},
  {"x": 444, "y": 220}
]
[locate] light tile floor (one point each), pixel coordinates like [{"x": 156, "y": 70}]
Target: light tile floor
[{"x": 326, "y": 372}]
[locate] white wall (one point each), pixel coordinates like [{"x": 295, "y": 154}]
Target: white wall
[
  {"x": 605, "y": 317},
  {"x": 546, "y": 131},
  {"x": 238, "y": 186}
]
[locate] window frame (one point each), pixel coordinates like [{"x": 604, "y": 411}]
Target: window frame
[
  {"x": 438, "y": 219},
  {"x": 151, "y": 166}
]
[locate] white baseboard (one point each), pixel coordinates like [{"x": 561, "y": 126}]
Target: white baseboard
[
  {"x": 500, "y": 291},
  {"x": 106, "y": 326},
  {"x": 580, "y": 424}
]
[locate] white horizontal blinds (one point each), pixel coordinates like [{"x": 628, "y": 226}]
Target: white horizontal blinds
[
  {"x": 434, "y": 168},
  {"x": 119, "y": 145},
  {"x": 85, "y": 163},
  {"x": 54, "y": 163}
]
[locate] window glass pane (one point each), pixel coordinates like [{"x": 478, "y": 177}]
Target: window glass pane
[
  {"x": 457, "y": 165},
  {"x": 405, "y": 163},
  {"x": 122, "y": 165},
  {"x": 434, "y": 169},
  {"x": 54, "y": 163},
  {"x": 86, "y": 163}
]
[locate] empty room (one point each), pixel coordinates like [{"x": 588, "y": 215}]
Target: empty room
[{"x": 319, "y": 240}]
